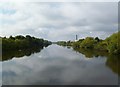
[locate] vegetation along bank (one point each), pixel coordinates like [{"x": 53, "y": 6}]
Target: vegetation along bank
[
  {"x": 110, "y": 44},
  {"x": 22, "y": 42}
]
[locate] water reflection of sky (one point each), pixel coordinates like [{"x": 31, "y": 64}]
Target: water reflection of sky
[
  {"x": 57, "y": 65},
  {"x": 0, "y": 74}
]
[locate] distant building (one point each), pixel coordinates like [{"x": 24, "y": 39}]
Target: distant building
[{"x": 76, "y": 37}]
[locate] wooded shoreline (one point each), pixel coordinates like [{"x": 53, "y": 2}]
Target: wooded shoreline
[
  {"x": 22, "y": 43},
  {"x": 110, "y": 44}
]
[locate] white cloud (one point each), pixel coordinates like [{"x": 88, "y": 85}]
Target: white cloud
[
  {"x": 17, "y": 1},
  {"x": 59, "y": 21}
]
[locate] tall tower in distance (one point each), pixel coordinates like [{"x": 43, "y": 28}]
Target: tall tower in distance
[{"x": 76, "y": 37}]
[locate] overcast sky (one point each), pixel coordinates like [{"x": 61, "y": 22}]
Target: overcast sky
[{"x": 59, "y": 21}]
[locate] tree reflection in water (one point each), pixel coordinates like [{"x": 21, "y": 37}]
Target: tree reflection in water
[
  {"x": 18, "y": 54},
  {"x": 113, "y": 61}
]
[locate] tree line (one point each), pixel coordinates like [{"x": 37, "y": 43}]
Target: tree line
[
  {"x": 22, "y": 42},
  {"x": 110, "y": 44}
]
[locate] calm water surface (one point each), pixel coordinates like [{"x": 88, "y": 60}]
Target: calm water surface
[{"x": 57, "y": 65}]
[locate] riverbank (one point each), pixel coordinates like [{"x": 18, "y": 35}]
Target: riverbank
[
  {"x": 110, "y": 44},
  {"x": 20, "y": 42}
]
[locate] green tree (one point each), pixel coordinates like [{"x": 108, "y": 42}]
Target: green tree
[
  {"x": 89, "y": 42},
  {"x": 97, "y": 39},
  {"x": 113, "y": 43},
  {"x": 19, "y": 37}
]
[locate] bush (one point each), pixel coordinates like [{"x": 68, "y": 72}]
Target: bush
[
  {"x": 21, "y": 42},
  {"x": 89, "y": 42}
]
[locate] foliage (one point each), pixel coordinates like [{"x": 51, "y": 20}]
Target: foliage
[
  {"x": 113, "y": 45},
  {"x": 110, "y": 44},
  {"x": 89, "y": 42},
  {"x": 20, "y": 43},
  {"x": 101, "y": 46},
  {"x": 63, "y": 43}
]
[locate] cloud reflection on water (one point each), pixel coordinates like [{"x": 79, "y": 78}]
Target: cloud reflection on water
[{"x": 57, "y": 65}]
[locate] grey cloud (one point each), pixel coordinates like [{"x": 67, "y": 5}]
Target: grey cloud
[{"x": 61, "y": 21}]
